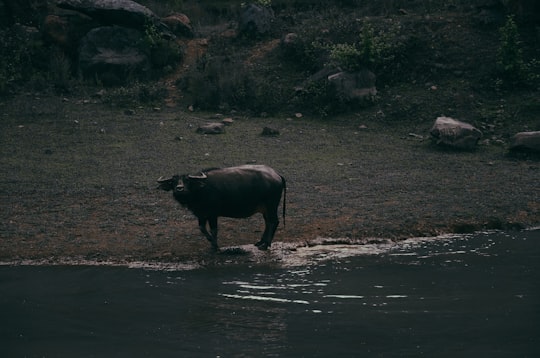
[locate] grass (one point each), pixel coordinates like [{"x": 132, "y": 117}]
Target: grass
[
  {"x": 78, "y": 173},
  {"x": 88, "y": 188}
]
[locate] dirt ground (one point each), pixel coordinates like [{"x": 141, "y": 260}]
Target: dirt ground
[{"x": 79, "y": 180}]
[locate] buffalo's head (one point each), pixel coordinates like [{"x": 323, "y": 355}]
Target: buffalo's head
[
  {"x": 168, "y": 184},
  {"x": 183, "y": 186}
]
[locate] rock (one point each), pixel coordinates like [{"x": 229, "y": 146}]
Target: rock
[
  {"x": 289, "y": 44},
  {"x": 269, "y": 132},
  {"x": 211, "y": 128},
  {"x": 526, "y": 142},
  {"x": 256, "y": 20},
  {"x": 453, "y": 133},
  {"x": 179, "y": 24},
  {"x": 289, "y": 39},
  {"x": 111, "y": 54},
  {"x": 354, "y": 86},
  {"x": 67, "y": 30},
  {"x": 125, "y": 13},
  {"x": 227, "y": 121}
]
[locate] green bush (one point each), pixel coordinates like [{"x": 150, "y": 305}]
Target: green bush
[
  {"x": 163, "y": 52},
  {"x": 21, "y": 56},
  {"x": 374, "y": 50},
  {"x": 510, "y": 54},
  {"x": 512, "y": 67}
]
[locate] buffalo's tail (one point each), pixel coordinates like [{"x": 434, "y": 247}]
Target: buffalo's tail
[{"x": 283, "y": 181}]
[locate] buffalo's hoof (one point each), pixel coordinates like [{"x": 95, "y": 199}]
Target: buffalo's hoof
[{"x": 262, "y": 245}]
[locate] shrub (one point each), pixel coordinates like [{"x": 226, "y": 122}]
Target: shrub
[
  {"x": 21, "y": 54},
  {"x": 510, "y": 54},
  {"x": 163, "y": 52},
  {"x": 380, "y": 51},
  {"x": 513, "y": 69}
]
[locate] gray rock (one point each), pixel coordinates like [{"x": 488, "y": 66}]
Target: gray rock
[
  {"x": 269, "y": 132},
  {"x": 179, "y": 24},
  {"x": 115, "y": 12},
  {"x": 211, "y": 128},
  {"x": 110, "y": 53},
  {"x": 354, "y": 86},
  {"x": 256, "y": 20},
  {"x": 526, "y": 141},
  {"x": 453, "y": 133},
  {"x": 67, "y": 30}
]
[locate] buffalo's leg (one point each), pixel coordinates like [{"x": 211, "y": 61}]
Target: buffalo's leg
[
  {"x": 212, "y": 222},
  {"x": 213, "y": 227},
  {"x": 271, "y": 223}
]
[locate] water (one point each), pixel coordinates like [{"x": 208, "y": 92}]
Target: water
[{"x": 467, "y": 296}]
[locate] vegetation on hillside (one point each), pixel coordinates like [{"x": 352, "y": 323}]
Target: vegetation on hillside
[{"x": 474, "y": 50}]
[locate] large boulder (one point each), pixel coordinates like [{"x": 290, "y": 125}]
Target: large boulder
[
  {"x": 67, "y": 30},
  {"x": 111, "y": 54},
  {"x": 354, "y": 85},
  {"x": 453, "y": 133},
  {"x": 256, "y": 20},
  {"x": 125, "y": 13},
  {"x": 526, "y": 142},
  {"x": 179, "y": 24}
]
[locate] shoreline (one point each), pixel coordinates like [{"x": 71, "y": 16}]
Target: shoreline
[{"x": 281, "y": 255}]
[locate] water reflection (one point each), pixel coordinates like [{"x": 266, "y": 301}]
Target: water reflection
[{"x": 476, "y": 295}]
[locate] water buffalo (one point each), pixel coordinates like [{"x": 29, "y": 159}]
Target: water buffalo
[{"x": 236, "y": 192}]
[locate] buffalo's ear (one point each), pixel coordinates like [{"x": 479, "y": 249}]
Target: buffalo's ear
[
  {"x": 164, "y": 184},
  {"x": 167, "y": 184},
  {"x": 195, "y": 182}
]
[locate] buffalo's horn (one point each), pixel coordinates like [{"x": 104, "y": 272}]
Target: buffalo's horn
[
  {"x": 162, "y": 180},
  {"x": 201, "y": 176}
]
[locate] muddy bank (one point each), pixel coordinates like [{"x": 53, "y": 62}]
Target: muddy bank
[{"x": 78, "y": 180}]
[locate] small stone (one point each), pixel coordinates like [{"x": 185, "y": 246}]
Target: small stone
[
  {"x": 100, "y": 93},
  {"x": 269, "y": 132},
  {"x": 227, "y": 121},
  {"x": 211, "y": 128}
]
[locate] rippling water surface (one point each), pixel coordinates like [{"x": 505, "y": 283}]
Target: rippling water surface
[{"x": 466, "y": 296}]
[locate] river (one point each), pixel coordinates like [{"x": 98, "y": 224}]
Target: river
[{"x": 455, "y": 296}]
